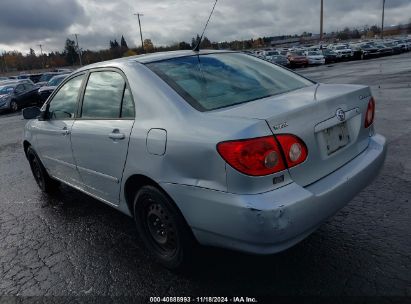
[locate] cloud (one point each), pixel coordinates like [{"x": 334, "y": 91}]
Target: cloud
[{"x": 26, "y": 23}]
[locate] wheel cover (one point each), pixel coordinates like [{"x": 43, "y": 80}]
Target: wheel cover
[
  {"x": 14, "y": 106},
  {"x": 161, "y": 228}
]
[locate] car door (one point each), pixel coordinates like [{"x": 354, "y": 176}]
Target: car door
[
  {"x": 20, "y": 94},
  {"x": 53, "y": 133},
  {"x": 101, "y": 134},
  {"x": 31, "y": 93}
]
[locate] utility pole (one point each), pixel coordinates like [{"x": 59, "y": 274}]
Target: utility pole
[
  {"x": 41, "y": 52},
  {"x": 78, "y": 50},
  {"x": 382, "y": 21},
  {"x": 141, "y": 33},
  {"x": 322, "y": 21}
]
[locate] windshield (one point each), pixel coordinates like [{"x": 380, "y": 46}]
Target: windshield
[
  {"x": 55, "y": 81},
  {"x": 272, "y": 53},
  {"x": 297, "y": 53},
  {"x": 6, "y": 90},
  {"x": 340, "y": 47},
  {"x": 215, "y": 81},
  {"x": 314, "y": 53}
]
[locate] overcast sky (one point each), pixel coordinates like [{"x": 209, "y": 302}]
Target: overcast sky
[{"x": 28, "y": 23}]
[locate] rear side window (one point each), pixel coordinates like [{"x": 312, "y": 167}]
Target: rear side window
[
  {"x": 215, "y": 81},
  {"x": 104, "y": 95},
  {"x": 127, "y": 109},
  {"x": 28, "y": 86},
  {"x": 64, "y": 103}
]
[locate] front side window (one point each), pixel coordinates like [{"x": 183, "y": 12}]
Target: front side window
[
  {"x": 103, "y": 96},
  {"x": 64, "y": 103},
  {"x": 220, "y": 80}
]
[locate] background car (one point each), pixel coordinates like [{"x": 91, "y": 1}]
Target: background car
[
  {"x": 403, "y": 44},
  {"x": 329, "y": 56},
  {"x": 45, "y": 78},
  {"x": 315, "y": 57},
  {"x": 45, "y": 91},
  {"x": 35, "y": 77},
  {"x": 275, "y": 56},
  {"x": 383, "y": 50},
  {"x": 395, "y": 47},
  {"x": 343, "y": 52},
  {"x": 364, "y": 51},
  {"x": 297, "y": 59},
  {"x": 15, "y": 95}
]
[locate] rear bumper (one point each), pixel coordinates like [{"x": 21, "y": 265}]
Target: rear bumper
[
  {"x": 274, "y": 221},
  {"x": 316, "y": 61}
]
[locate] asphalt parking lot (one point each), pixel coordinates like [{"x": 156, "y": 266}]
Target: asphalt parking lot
[{"x": 68, "y": 244}]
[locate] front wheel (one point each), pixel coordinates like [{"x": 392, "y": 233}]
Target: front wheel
[{"x": 163, "y": 228}]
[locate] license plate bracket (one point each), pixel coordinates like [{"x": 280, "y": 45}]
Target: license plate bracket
[{"x": 336, "y": 137}]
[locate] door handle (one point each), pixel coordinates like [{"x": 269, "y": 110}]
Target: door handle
[{"x": 116, "y": 135}]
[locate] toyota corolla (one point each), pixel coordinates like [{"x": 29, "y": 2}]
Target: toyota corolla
[{"x": 213, "y": 148}]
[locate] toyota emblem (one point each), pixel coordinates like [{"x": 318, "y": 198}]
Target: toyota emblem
[{"x": 340, "y": 115}]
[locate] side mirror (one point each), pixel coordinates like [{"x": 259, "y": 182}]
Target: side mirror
[{"x": 31, "y": 113}]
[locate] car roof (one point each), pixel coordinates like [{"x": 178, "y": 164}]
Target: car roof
[
  {"x": 152, "y": 57},
  {"x": 59, "y": 76}
]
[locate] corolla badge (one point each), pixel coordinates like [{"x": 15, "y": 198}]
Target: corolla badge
[{"x": 340, "y": 115}]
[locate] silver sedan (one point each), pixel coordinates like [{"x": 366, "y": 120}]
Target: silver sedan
[{"x": 213, "y": 148}]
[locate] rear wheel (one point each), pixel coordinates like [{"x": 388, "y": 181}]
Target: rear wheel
[
  {"x": 43, "y": 180},
  {"x": 163, "y": 228},
  {"x": 14, "y": 106}
]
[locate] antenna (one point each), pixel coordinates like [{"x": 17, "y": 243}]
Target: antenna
[{"x": 197, "y": 48}]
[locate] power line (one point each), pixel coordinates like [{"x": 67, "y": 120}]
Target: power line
[{"x": 141, "y": 32}]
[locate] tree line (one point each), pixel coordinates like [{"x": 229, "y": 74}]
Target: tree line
[{"x": 16, "y": 61}]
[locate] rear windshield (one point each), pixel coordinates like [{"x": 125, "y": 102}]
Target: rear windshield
[{"x": 214, "y": 81}]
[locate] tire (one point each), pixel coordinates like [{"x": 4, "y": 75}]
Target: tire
[
  {"x": 43, "y": 180},
  {"x": 163, "y": 229},
  {"x": 14, "y": 107}
]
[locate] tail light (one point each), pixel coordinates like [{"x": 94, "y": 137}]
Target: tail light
[
  {"x": 295, "y": 150},
  {"x": 370, "y": 114},
  {"x": 264, "y": 155}
]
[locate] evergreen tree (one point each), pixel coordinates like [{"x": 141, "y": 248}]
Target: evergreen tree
[
  {"x": 70, "y": 52},
  {"x": 195, "y": 41},
  {"x": 123, "y": 43},
  {"x": 114, "y": 44},
  {"x": 206, "y": 43}
]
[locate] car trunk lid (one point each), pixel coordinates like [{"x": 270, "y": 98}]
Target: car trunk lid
[{"x": 314, "y": 114}]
